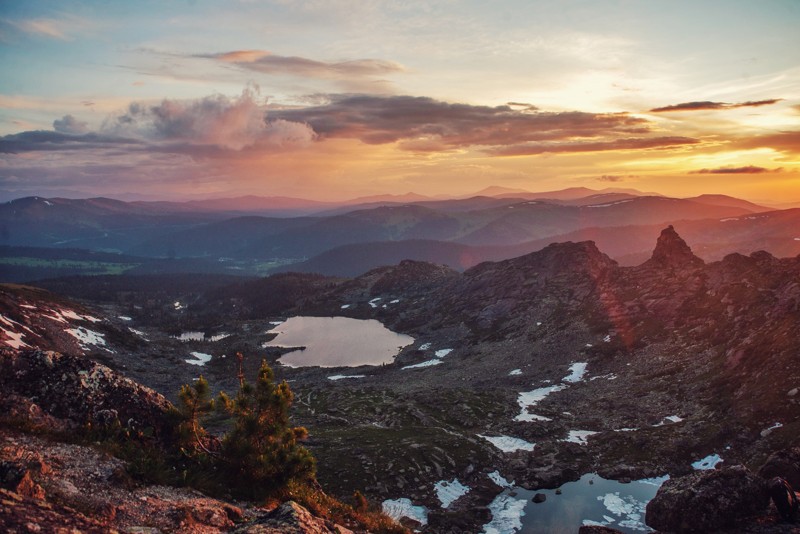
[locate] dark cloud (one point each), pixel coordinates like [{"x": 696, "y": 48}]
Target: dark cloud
[
  {"x": 749, "y": 169},
  {"x": 611, "y": 178},
  {"x": 630, "y": 143},
  {"x": 424, "y": 122},
  {"x": 213, "y": 126},
  {"x": 43, "y": 140},
  {"x": 268, "y": 63},
  {"x": 70, "y": 125},
  {"x": 707, "y": 105}
]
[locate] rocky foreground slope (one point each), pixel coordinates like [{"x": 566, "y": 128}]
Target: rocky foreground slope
[{"x": 53, "y": 479}]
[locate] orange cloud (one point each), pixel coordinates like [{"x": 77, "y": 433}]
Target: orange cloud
[
  {"x": 749, "y": 169},
  {"x": 706, "y": 105}
]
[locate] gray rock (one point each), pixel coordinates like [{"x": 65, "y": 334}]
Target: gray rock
[{"x": 707, "y": 501}]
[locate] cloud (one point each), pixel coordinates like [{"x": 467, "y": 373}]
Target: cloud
[
  {"x": 42, "y": 141},
  {"x": 425, "y": 124},
  {"x": 749, "y": 169},
  {"x": 70, "y": 125},
  {"x": 64, "y": 28},
  {"x": 216, "y": 120},
  {"x": 355, "y": 74},
  {"x": 786, "y": 141},
  {"x": 630, "y": 143},
  {"x": 611, "y": 178},
  {"x": 707, "y": 105},
  {"x": 46, "y": 27},
  {"x": 205, "y": 127}
]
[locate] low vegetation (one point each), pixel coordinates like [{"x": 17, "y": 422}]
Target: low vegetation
[{"x": 258, "y": 457}]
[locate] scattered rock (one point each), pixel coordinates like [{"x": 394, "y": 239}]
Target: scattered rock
[{"x": 707, "y": 501}]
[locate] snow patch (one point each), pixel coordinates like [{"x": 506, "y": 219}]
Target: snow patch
[
  {"x": 86, "y": 337},
  {"x": 579, "y": 436},
  {"x": 507, "y": 512},
  {"x": 16, "y": 339},
  {"x": 498, "y": 479},
  {"x": 609, "y": 376},
  {"x": 425, "y": 346},
  {"x": 138, "y": 333},
  {"x": 345, "y": 306},
  {"x": 200, "y": 360},
  {"x": 219, "y": 336},
  {"x": 630, "y": 510},
  {"x": 669, "y": 419},
  {"x": 527, "y": 399},
  {"x": 577, "y": 370},
  {"x": 125, "y": 318},
  {"x": 508, "y": 443},
  {"x": 398, "y": 508},
  {"x": 709, "y": 462},
  {"x": 428, "y": 363},
  {"x": 395, "y": 301},
  {"x": 374, "y": 302},
  {"x": 607, "y": 339},
  {"x": 515, "y": 372},
  {"x": 441, "y": 353},
  {"x": 342, "y": 377},
  {"x": 69, "y": 314},
  {"x": 449, "y": 492},
  {"x": 609, "y": 204},
  {"x": 767, "y": 431},
  {"x": 191, "y": 336}
]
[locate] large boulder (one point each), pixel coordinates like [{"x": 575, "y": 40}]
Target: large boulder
[
  {"x": 707, "y": 501},
  {"x": 785, "y": 464}
]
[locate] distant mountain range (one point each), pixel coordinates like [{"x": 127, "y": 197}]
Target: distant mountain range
[{"x": 349, "y": 238}]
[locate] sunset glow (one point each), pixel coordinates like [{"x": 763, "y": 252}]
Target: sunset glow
[{"x": 338, "y": 99}]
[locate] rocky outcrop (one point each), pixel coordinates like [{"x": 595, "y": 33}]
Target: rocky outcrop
[
  {"x": 707, "y": 501},
  {"x": 79, "y": 391},
  {"x": 291, "y": 518},
  {"x": 672, "y": 251}
]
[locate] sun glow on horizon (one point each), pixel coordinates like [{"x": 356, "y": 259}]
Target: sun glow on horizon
[{"x": 334, "y": 103}]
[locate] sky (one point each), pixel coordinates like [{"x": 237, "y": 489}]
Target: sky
[{"x": 335, "y": 99}]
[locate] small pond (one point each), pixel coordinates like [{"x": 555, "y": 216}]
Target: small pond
[
  {"x": 592, "y": 500},
  {"x": 337, "y": 342}
]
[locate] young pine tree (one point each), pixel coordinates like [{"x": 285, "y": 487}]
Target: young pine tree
[
  {"x": 195, "y": 403},
  {"x": 262, "y": 449}
]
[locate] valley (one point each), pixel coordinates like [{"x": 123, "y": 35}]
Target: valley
[{"x": 520, "y": 376}]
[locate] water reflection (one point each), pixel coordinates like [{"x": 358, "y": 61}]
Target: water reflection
[
  {"x": 337, "y": 342},
  {"x": 592, "y": 500}
]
